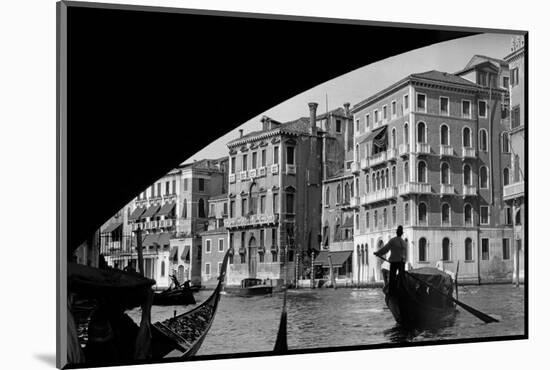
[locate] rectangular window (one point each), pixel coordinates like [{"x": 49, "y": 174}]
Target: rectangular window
[
  {"x": 185, "y": 184},
  {"x": 245, "y": 162},
  {"x": 159, "y": 186},
  {"x": 338, "y": 126},
  {"x": 274, "y": 256},
  {"x": 262, "y": 204},
  {"x": 357, "y": 124},
  {"x": 207, "y": 268},
  {"x": 243, "y": 207},
  {"x": 152, "y": 191},
  {"x": 290, "y": 203},
  {"x": 485, "y": 249},
  {"x": 201, "y": 184},
  {"x": 232, "y": 209},
  {"x": 376, "y": 117},
  {"x": 367, "y": 220},
  {"x": 393, "y": 108},
  {"x": 367, "y": 121},
  {"x": 273, "y": 237},
  {"x": 516, "y": 121},
  {"x": 406, "y": 102},
  {"x": 208, "y": 246},
  {"x": 167, "y": 188},
  {"x": 220, "y": 245},
  {"x": 275, "y": 155},
  {"x": 174, "y": 187},
  {"x": 514, "y": 76},
  {"x": 466, "y": 109},
  {"x": 385, "y": 112},
  {"x": 262, "y": 238},
  {"x": 482, "y": 108},
  {"x": 508, "y": 215},
  {"x": 275, "y": 203},
  {"x": 444, "y": 106},
  {"x": 482, "y": 78},
  {"x": 232, "y": 165},
  {"x": 505, "y": 249},
  {"x": 212, "y": 211},
  {"x": 290, "y": 155},
  {"x": 263, "y": 158},
  {"x": 254, "y": 159},
  {"x": 505, "y": 82},
  {"x": 421, "y": 102},
  {"x": 484, "y": 215}
]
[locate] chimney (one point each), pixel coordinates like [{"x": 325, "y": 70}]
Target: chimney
[
  {"x": 313, "y": 118},
  {"x": 265, "y": 123},
  {"x": 240, "y": 132},
  {"x": 346, "y": 109}
]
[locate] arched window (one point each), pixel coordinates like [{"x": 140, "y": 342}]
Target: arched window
[
  {"x": 393, "y": 142},
  {"x": 407, "y": 213},
  {"x": 357, "y": 221},
  {"x": 516, "y": 168},
  {"x": 505, "y": 143},
  {"x": 446, "y": 249},
  {"x": 406, "y": 172},
  {"x": 422, "y": 213},
  {"x": 483, "y": 177},
  {"x": 184, "y": 211},
  {"x": 406, "y": 133},
  {"x": 253, "y": 206},
  {"x": 385, "y": 217},
  {"x": 387, "y": 177},
  {"x": 468, "y": 215},
  {"x": 483, "y": 145},
  {"x": 338, "y": 194},
  {"x": 367, "y": 220},
  {"x": 506, "y": 176},
  {"x": 346, "y": 193},
  {"x": 444, "y": 134},
  {"x": 327, "y": 196},
  {"x": 421, "y": 128},
  {"x": 357, "y": 153},
  {"x": 378, "y": 181},
  {"x": 374, "y": 182},
  {"x": 202, "y": 211},
  {"x": 468, "y": 250},
  {"x": 375, "y": 219},
  {"x": 466, "y": 137},
  {"x": 422, "y": 171},
  {"x": 366, "y": 254},
  {"x": 367, "y": 184},
  {"x": 445, "y": 214},
  {"x": 445, "y": 173},
  {"x": 422, "y": 250},
  {"x": 162, "y": 268},
  {"x": 394, "y": 176},
  {"x": 467, "y": 171},
  {"x": 394, "y": 215},
  {"x": 518, "y": 217},
  {"x": 351, "y": 190}
]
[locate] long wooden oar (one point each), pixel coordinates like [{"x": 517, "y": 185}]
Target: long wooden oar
[
  {"x": 281, "y": 345},
  {"x": 480, "y": 315}
]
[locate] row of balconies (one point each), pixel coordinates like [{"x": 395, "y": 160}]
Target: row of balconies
[
  {"x": 164, "y": 197},
  {"x": 260, "y": 172},
  {"x": 153, "y": 224},
  {"x": 404, "y": 150},
  {"x": 252, "y": 220}
]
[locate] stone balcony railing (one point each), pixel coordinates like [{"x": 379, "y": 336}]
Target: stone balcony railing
[
  {"x": 166, "y": 223},
  {"x": 261, "y": 171},
  {"x": 252, "y": 220},
  {"x": 469, "y": 190},
  {"x": 274, "y": 169},
  {"x": 446, "y": 189},
  {"x": 414, "y": 188},
  {"x": 381, "y": 195},
  {"x": 403, "y": 150},
  {"x": 232, "y": 178},
  {"x": 137, "y": 225},
  {"x": 446, "y": 150},
  {"x": 355, "y": 202},
  {"x": 423, "y": 148},
  {"x": 252, "y": 173},
  {"x": 377, "y": 159},
  {"x": 355, "y": 167},
  {"x": 391, "y": 154},
  {"x": 243, "y": 175},
  {"x": 514, "y": 190},
  {"x": 468, "y": 152}
]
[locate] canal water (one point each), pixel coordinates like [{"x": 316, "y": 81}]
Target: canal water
[{"x": 345, "y": 317}]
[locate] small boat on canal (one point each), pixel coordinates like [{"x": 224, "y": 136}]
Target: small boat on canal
[
  {"x": 181, "y": 295},
  {"x": 422, "y": 298},
  {"x": 250, "y": 287}
]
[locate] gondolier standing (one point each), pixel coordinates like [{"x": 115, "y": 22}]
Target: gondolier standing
[{"x": 398, "y": 256}]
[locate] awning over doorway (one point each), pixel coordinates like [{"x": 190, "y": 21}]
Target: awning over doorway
[{"x": 338, "y": 258}]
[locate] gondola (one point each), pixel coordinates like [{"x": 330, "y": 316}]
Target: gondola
[
  {"x": 415, "y": 304},
  {"x": 186, "y": 332},
  {"x": 124, "y": 290},
  {"x": 177, "y": 296}
]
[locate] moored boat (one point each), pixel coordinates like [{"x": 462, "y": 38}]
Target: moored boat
[
  {"x": 178, "y": 296},
  {"x": 250, "y": 287},
  {"x": 422, "y": 298}
]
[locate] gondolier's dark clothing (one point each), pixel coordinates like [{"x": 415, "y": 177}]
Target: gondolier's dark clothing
[{"x": 398, "y": 255}]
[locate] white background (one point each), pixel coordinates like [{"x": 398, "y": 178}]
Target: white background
[{"x": 27, "y": 185}]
